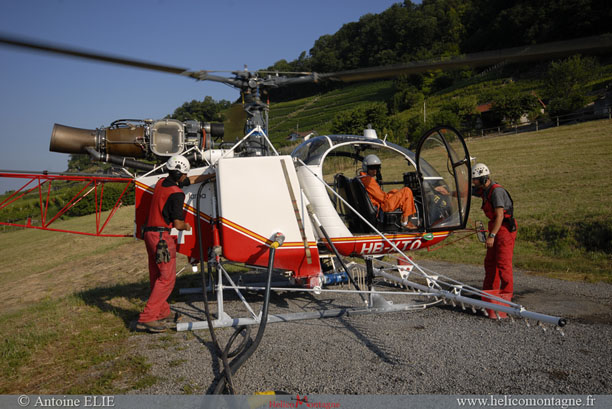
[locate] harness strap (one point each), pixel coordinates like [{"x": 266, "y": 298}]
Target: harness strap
[{"x": 155, "y": 228}]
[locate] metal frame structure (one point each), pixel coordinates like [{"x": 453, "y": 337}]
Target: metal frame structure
[
  {"x": 92, "y": 183},
  {"x": 376, "y": 303},
  {"x": 433, "y": 289}
]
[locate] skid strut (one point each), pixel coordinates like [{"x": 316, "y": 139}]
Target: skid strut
[
  {"x": 377, "y": 304},
  {"x": 437, "y": 287}
]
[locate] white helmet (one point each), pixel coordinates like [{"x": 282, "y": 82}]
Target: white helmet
[
  {"x": 370, "y": 160},
  {"x": 179, "y": 163},
  {"x": 479, "y": 170}
]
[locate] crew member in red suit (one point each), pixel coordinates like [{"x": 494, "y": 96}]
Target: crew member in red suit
[
  {"x": 387, "y": 201},
  {"x": 499, "y": 208},
  {"x": 166, "y": 212}
]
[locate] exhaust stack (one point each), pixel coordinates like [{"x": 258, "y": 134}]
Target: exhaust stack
[
  {"x": 121, "y": 141},
  {"x": 127, "y": 140},
  {"x": 66, "y": 139}
]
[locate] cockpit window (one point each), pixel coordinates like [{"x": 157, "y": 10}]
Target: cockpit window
[
  {"x": 343, "y": 164},
  {"x": 311, "y": 151}
]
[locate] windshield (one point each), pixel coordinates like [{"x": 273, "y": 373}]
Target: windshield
[
  {"x": 446, "y": 191},
  {"x": 311, "y": 152}
]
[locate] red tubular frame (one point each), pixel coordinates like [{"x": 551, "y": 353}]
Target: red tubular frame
[{"x": 94, "y": 182}]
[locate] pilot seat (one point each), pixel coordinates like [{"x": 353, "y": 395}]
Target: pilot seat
[{"x": 353, "y": 191}]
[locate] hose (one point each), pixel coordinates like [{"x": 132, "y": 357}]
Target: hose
[
  {"x": 223, "y": 354},
  {"x": 225, "y": 377},
  {"x": 241, "y": 353},
  {"x": 213, "y": 335},
  {"x": 118, "y": 160}
]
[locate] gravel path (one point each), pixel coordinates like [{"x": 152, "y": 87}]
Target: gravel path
[{"x": 441, "y": 350}]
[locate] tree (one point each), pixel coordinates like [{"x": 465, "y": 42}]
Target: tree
[
  {"x": 566, "y": 83},
  {"x": 354, "y": 121},
  {"x": 87, "y": 205},
  {"x": 78, "y": 162},
  {"x": 207, "y": 110},
  {"x": 493, "y": 24},
  {"x": 509, "y": 105},
  {"x": 459, "y": 111},
  {"x": 405, "y": 97}
]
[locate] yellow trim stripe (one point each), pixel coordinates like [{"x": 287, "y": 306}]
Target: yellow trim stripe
[
  {"x": 144, "y": 186},
  {"x": 260, "y": 238},
  {"x": 390, "y": 237},
  {"x": 192, "y": 210}
]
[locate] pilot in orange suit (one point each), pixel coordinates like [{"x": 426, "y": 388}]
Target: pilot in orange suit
[
  {"x": 166, "y": 212},
  {"x": 387, "y": 201}
]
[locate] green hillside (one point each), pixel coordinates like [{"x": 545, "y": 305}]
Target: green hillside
[{"x": 316, "y": 113}]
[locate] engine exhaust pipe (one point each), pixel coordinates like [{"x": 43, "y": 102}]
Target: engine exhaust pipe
[
  {"x": 123, "y": 141},
  {"x": 66, "y": 139}
]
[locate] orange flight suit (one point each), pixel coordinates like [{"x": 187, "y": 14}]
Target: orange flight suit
[{"x": 389, "y": 201}]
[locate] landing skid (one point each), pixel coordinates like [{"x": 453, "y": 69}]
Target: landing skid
[
  {"x": 417, "y": 288},
  {"x": 377, "y": 303}
]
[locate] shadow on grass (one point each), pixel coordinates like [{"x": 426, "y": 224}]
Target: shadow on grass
[
  {"x": 126, "y": 300},
  {"x": 106, "y": 299}
]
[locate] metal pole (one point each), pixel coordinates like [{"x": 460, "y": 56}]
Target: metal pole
[{"x": 369, "y": 277}]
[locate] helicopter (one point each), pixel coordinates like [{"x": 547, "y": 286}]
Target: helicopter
[
  {"x": 305, "y": 215},
  {"x": 318, "y": 204}
]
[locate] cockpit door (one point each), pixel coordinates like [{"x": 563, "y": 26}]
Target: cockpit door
[{"x": 443, "y": 165}]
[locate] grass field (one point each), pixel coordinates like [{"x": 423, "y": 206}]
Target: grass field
[
  {"x": 56, "y": 338},
  {"x": 68, "y": 300},
  {"x": 560, "y": 181}
]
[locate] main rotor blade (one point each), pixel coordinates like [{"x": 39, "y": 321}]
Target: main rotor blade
[
  {"x": 73, "y": 52},
  {"x": 111, "y": 59},
  {"x": 516, "y": 54}
]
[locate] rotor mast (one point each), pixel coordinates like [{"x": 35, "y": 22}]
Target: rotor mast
[{"x": 253, "y": 86}]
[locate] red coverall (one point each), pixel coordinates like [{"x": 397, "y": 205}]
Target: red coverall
[
  {"x": 498, "y": 261},
  {"x": 161, "y": 276},
  {"x": 394, "y": 199}
]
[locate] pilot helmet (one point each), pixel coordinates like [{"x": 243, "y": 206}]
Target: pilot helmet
[{"x": 370, "y": 161}]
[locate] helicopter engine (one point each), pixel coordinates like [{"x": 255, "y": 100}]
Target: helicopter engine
[{"x": 136, "y": 139}]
